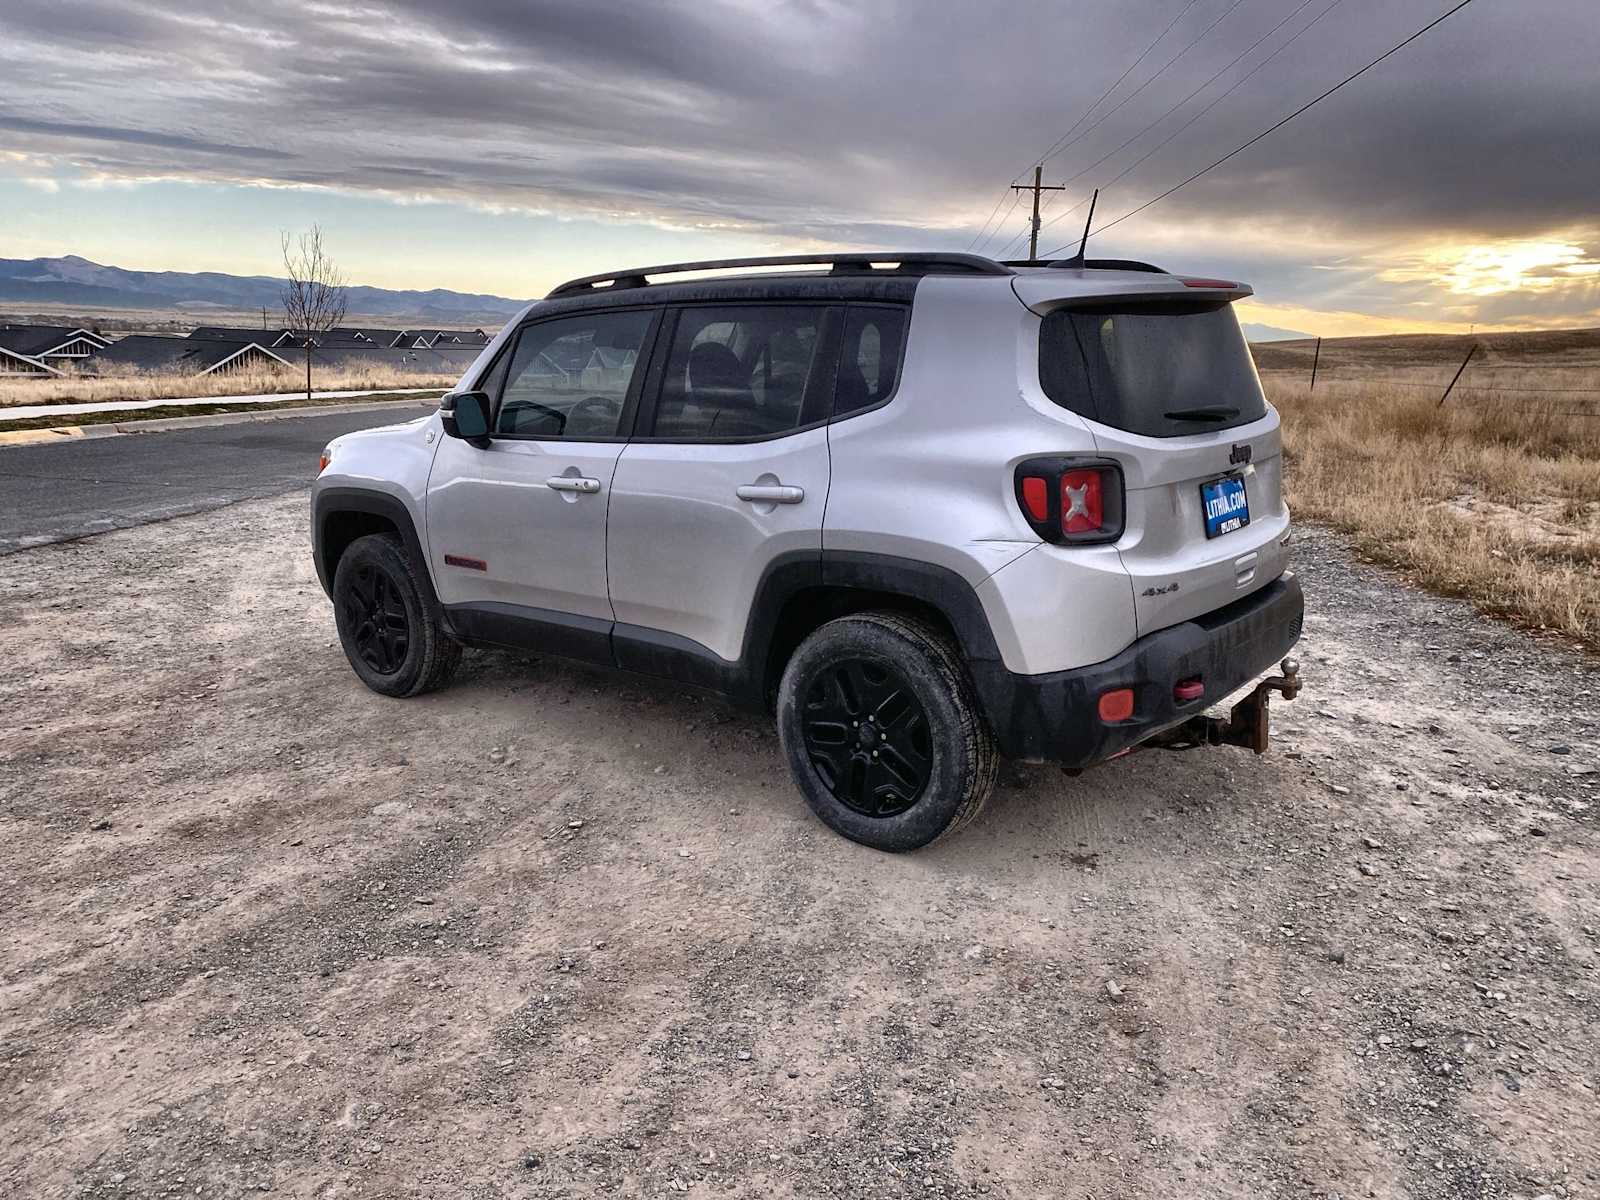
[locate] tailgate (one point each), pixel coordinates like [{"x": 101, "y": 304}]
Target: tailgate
[
  {"x": 1178, "y": 572},
  {"x": 1159, "y": 370}
]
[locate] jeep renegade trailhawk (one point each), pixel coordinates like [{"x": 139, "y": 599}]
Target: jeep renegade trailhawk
[{"x": 930, "y": 508}]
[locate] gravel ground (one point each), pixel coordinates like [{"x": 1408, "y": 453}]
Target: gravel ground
[{"x": 552, "y": 933}]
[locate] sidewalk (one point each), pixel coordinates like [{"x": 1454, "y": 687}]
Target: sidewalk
[{"x": 30, "y": 411}]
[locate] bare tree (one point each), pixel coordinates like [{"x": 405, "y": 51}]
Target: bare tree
[{"x": 314, "y": 297}]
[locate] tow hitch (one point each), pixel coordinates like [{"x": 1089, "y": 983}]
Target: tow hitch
[{"x": 1245, "y": 725}]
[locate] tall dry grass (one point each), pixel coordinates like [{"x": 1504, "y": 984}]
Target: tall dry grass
[
  {"x": 128, "y": 384},
  {"x": 1495, "y": 499}
]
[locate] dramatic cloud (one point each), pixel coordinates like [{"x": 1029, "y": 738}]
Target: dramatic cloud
[{"x": 818, "y": 121}]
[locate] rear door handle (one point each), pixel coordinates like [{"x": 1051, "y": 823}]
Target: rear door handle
[
  {"x": 771, "y": 493},
  {"x": 573, "y": 483}
]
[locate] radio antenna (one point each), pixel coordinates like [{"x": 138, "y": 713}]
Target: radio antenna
[{"x": 1083, "y": 245}]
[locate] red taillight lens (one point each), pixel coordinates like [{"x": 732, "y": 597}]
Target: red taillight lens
[
  {"x": 1036, "y": 497},
  {"x": 1082, "y": 501},
  {"x": 1071, "y": 501}
]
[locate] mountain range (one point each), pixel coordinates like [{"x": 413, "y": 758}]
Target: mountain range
[{"x": 74, "y": 280}]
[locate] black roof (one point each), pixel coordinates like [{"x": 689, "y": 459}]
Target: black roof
[
  {"x": 230, "y": 333},
  {"x": 875, "y": 275},
  {"x": 420, "y": 360},
  {"x": 152, "y": 352},
  {"x": 914, "y": 263},
  {"x": 895, "y": 289},
  {"x": 35, "y": 339}
]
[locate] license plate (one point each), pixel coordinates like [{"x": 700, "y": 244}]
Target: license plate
[{"x": 1225, "y": 505}]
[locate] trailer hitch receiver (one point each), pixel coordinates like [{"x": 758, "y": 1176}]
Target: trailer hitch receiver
[{"x": 1245, "y": 725}]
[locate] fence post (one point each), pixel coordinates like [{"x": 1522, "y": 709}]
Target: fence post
[
  {"x": 1316, "y": 357},
  {"x": 1459, "y": 370}
]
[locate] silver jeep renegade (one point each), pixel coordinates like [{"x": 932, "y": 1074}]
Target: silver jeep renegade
[{"x": 931, "y": 509}]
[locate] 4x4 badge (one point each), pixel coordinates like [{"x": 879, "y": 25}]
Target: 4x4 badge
[{"x": 1240, "y": 455}]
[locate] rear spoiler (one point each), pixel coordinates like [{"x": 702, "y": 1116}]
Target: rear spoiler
[{"x": 1042, "y": 291}]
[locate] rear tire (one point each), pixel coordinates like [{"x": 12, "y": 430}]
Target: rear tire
[
  {"x": 389, "y": 623},
  {"x": 882, "y": 730}
]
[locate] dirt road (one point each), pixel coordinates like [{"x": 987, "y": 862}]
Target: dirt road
[{"x": 547, "y": 935}]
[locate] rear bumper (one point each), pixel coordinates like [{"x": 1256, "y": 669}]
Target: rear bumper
[{"x": 1055, "y": 717}]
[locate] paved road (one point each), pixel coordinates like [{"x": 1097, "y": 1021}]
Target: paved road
[
  {"x": 28, "y": 412},
  {"x": 68, "y": 489}
]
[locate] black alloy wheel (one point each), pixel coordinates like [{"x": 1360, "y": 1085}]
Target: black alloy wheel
[
  {"x": 375, "y": 614},
  {"x": 390, "y": 623},
  {"x": 868, "y": 737}
]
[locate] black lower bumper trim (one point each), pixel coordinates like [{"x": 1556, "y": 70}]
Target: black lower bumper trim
[{"x": 1055, "y": 717}]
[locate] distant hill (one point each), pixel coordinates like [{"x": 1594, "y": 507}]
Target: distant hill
[
  {"x": 1270, "y": 333},
  {"x": 74, "y": 280}
]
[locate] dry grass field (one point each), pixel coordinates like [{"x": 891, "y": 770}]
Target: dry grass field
[
  {"x": 1493, "y": 496},
  {"x": 157, "y": 385}
]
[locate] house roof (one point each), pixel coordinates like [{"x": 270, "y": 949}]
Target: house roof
[
  {"x": 10, "y": 358},
  {"x": 417, "y": 361},
  {"x": 152, "y": 352},
  {"x": 230, "y": 333},
  {"x": 33, "y": 340}
]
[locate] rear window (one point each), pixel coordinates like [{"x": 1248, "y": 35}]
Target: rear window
[{"x": 1163, "y": 370}]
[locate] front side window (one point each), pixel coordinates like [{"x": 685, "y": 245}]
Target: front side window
[
  {"x": 1165, "y": 370},
  {"x": 741, "y": 371},
  {"x": 568, "y": 378}
]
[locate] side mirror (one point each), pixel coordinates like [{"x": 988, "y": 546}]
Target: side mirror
[{"x": 465, "y": 415}]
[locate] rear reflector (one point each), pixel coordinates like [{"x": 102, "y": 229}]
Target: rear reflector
[
  {"x": 1036, "y": 496},
  {"x": 1188, "y": 690},
  {"x": 1116, "y": 705}
]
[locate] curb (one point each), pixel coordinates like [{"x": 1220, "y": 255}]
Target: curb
[{"x": 67, "y": 433}]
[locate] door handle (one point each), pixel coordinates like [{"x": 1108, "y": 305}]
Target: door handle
[
  {"x": 771, "y": 493},
  {"x": 573, "y": 483}
]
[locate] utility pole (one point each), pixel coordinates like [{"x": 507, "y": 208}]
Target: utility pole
[{"x": 1035, "y": 187}]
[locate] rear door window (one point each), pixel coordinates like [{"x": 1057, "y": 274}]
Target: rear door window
[
  {"x": 1163, "y": 370},
  {"x": 742, "y": 372}
]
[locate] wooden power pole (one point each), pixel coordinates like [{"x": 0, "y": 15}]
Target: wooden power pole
[{"x": 1035, "y": 187}]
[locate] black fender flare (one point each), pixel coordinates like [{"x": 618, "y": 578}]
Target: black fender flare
[
  {"x": 940, "y": 588},
  {"x": 334, "y": 500}
]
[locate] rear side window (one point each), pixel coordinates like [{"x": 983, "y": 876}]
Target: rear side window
[
  {"x": 1163, "y": 370},
  {"x": 869, "y": 366},
  {"x": 740, "y": 372}
]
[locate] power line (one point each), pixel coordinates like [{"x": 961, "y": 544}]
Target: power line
[
  {"x": 1235, "y": 86},
  {"x": 1131, "y": 66},
  {"x": 1281, "y": 23},
  {"x": 1055, "y": 145},
  {"x": 1273, "y": 129},
  {"x": 1111, "y": 112},
  {"x": 1015, "y": 199}
]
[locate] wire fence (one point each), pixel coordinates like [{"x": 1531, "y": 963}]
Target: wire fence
[{"x": 1471, "y": 378}]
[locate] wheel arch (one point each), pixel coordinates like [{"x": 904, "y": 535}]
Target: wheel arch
[
  {"x": 340, "y": 515},
  {"x": 800, "y": 593}
]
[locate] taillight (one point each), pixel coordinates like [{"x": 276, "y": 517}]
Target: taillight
[{"x": 1071, "y": 501}]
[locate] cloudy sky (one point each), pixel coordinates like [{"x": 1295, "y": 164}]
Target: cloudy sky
[{"x": 502, "y": 145}]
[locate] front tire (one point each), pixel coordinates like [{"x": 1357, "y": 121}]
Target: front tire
[
  {"x": 389, "y": 623},
  {"x": 881, "y": 727}
]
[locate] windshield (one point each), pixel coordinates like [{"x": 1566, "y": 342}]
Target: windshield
[{"x": 1164, "y": 370}]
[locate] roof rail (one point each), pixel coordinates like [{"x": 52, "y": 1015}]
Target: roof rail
[
  {"x": 914, "y": 262},
  {"x": 1091, "y": 264}
]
